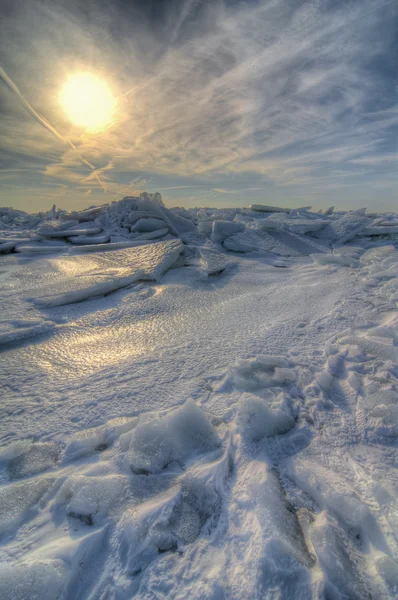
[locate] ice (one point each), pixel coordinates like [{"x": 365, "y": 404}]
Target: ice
[
  {"x": 106, "y": 247},
  {"x": 375, "y": 254},
  {"x": 381, "y": 413},
  {"x": 277, "y": 477},
  {"x": 89, "y": 239},
  {"x": 21, "y": 333},
  {"x": 265, "y": 208},
  {"x": 113, "y": 271},
  {"x": 34, "y": 580},
  {"x": 257, "y": 419},
  {"x": 145, "y": 225},
  {"x": 259, "y": 372},
  {"x": 63, "y": 233},
  {"x": 160, "y": 441},
  {"x": 379, "y": 230},
  {"x": 125, "y": 277},
  {"x": 97, "y": 438},
  {"x": 89, "y": 499},
  {"x": 17, "y": 501},
  {"x": 152, "y": 235},
  {"x": 42, "y": 249},
  {"x": 213, "y": 262},
  {"x": 344, "y": 228},
  {"x": 136, "y": 215},
  {"x": 325, "y": 380},
  {"x": 6, "y": 247},
  {"x": 291, "y": 223},
  {"x": 224, "y": 229},
  {"x": 36, "y": 459},
  {"x": 344, "y": 260}
]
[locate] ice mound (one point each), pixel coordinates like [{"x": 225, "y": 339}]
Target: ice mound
[
  {"x": 90, "y": 499},
  {"x": 34, "y": 459},
  {"x": 378, "y": 414},
  {"x": 178, "y": 518},
  {"x": 157, "y": 442},
  {"x": 257, "y": 419},
  {"x": 221, "y": 230},
  {"x": 35, "y": 580},
  {"x": 96, "y": 439},
  {"x": 261, "y": 371},
  {"x": 17, "y": 500},
  {"x": 168, "y": 525}
]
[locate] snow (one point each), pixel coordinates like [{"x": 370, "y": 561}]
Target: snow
[
  {"x": 157, "y": 443},
  {"x": 214, "y": 415}
]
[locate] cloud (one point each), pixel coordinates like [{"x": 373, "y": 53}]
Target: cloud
[{"x": 285, "y": 94}]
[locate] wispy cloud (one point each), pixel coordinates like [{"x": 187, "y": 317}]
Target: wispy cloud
[{"x": 288, "y": 95}]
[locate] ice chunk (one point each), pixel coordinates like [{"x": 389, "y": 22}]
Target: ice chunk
[
  {"x": 344, "y": 260},
  {"x": 344, "y": 228},
  {"x": 106, "y": 247},
  {"x": 257, "y": 419},
  {"x": 223, "y": 229},
  {"x": 162, "y": 440},
  {"x": 104, "y": 273},
  {"x": 36, "y": 459},
  {"x": 213, "y": 262},
  {"x": 329, "y": 211},
  {"x": 40, "y": 249},
  {"x": 375, "y": 254},
  {"x": 265, "y": 208},
  {"x": 6, "y": 247},
  {"x": 20, "y": 333},
  {"x": 16, "y": 500},
  {"x": 258, "y": 372},
  {"x": 291, "y": 223},
  {"x": 92, "y": 291},
  {"x": 97, "y": 438},
  {"x": 89, "y": 239},
  {"x": 372, "y": 346},
  {"x": 381, "y": 410},
  {"x": 136, "y": 215},
  {"x": 382, "y": 332},
  {"x": 379, "y": 230},
  {"x": 84, "y": 215},
  {"x": 205, "y": 227},
  {"x": 35, "y": 580},
  {"x": 152, "y": 235},
  {"x": 91, "y": 498},
  {"x": 146, "y": 225},
  {"x": 325, "y": 380},
  {"x": 72, "y": 232}
]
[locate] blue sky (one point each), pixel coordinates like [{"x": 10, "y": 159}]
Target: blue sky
[{"x": 219, "y": 103}]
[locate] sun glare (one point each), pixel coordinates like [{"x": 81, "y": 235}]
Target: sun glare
[{"x": 88, "y": 101}]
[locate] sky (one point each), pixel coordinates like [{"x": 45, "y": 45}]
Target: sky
[{"x": 218, "y": 103}]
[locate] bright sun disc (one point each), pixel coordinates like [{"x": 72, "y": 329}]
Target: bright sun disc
[{"x": 88, "y": 101}]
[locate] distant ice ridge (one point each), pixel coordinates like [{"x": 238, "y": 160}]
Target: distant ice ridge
[{"x": 146, "y": 218}]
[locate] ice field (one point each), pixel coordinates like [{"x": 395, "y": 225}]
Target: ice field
[{"x": 198, "y": 403}]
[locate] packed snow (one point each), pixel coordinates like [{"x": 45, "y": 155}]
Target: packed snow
[{"x": 198, "y": 403}]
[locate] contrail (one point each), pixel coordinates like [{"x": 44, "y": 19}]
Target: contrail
[{"x": 11, "y": 85}]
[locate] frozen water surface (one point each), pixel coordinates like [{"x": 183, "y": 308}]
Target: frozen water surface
[{"x": 213, "y": 415}]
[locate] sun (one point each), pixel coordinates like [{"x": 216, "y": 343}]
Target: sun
[{"x": 88, "y": 101}]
